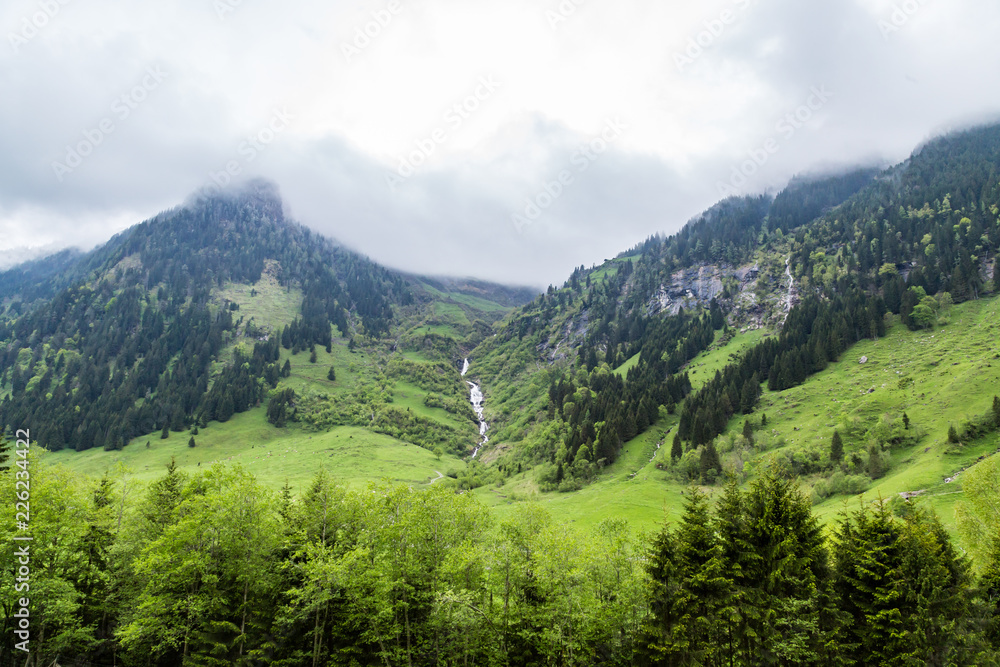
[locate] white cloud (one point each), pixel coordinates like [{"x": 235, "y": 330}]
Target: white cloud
[{"x": 354, "y": 118}]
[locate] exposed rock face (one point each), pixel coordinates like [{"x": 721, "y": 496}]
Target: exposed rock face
[
  {"x": 688, "y": 288},
  {"x": 698, "y": 285}
]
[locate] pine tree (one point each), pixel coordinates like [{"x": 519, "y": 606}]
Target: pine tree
[
  {"x": 4, "y": 452},
  {"x": 748, "y": 397},
  {"x": 836, "y": 448},
  {"x": 700, "y": 608},
  {"x": 677, "y": 449},
  {"x": 709, "y": 465}
]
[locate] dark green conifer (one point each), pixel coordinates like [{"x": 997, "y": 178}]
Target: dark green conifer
[{"x": 836, "y": 448}]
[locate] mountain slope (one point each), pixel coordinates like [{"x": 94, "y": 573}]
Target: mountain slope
[
  {"x": 881, "y": 243},
  {"x": 186, "y": 318}
]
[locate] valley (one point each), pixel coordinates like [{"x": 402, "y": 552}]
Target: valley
[{"x": 237, "y": 421}]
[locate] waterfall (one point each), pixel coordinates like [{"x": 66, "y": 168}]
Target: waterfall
[{"x": 476, "y": 398}]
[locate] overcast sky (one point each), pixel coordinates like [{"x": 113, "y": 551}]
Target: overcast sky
[{"x": 507, "y": 140}]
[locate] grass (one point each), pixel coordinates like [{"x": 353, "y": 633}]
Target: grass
[
  {"x": 632, "y": 488},
  {"x": 627, "y": 366},
  {"x": 406, "y": 395},
  {"x": 704, "y": 367},
  {"x": 473, "y": 302},
  {"x": 938, "y": 377},
  {"x": 955, "y": 371},
  {"x": 351, "y": 455},
  {"x": 273, "y": 306}
]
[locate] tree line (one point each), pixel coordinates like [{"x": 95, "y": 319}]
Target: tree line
[{"x": 215, "y": 569}]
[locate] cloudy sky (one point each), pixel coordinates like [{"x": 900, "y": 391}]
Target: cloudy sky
[{"x": 504, "y": 140}]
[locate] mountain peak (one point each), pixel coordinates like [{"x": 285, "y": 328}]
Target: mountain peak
[{"x": 258, "y": 193}]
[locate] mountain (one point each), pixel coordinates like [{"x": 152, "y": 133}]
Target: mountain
[
  {"x": 829, "y": 261},
  {"x": 837, "y": 341},
  {"x": 201, "y": 313},
  {"x": 182, "y": 320}
]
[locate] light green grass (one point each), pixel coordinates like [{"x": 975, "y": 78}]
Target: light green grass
[
  {"x": 410, "y": 396},
  {"x": 474, "y": 302},
  {"x": 704, "y": 367},
  {"x": 955, "y": 372},
  {"x": 627, "y": 366},
  {"x": 631, "y": 488},
  {"x": 351, "y": 455},
  {"x": 273, "y": 306}
]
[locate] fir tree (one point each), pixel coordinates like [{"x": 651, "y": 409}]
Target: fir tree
[
  {"x": 906, "y": 421},
  {"x": 996, "y": 410},
  {"x": 312, "y": 354},
  {"x": 748, "y": 431},
  {"x": 191, "y": 442},
  {"x": 953, "y": 435},
  {"x": 165, "y": 433},
  {"x": 709, "y": 465},
  {"x": 286, "y": 370},
  {"x": 677, "y": 449},
  {"x": 836, "y": 448},
  {"x": 4, "y": 452},
  {"x": 331, "y": 374}
]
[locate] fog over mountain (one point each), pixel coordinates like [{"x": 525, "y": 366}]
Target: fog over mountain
[{"x": 508, "y": 141}]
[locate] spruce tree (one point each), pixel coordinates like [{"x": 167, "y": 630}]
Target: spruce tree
[
  {"x": 953, "y": 435},
  {"x": 996, "y": 410},
  {"x": 701, "y": 606},
  {"x": 748, "y": 431},
  {"x": 165, "y": 433},
  {"x": 191, "y": 442},
  {"x": 836, "y": 448},
  {"x": 331, "y": 374},
  {"x": 286, "y": 370},
  {"x": 312, "y": 354},
  {"x": 677, "y": 449},
  {"x": 906, "y": 421},
  {"x": 4, "y": 452}
]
